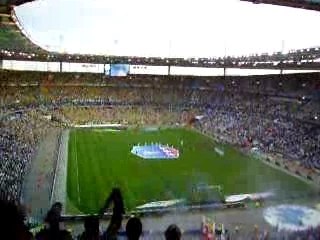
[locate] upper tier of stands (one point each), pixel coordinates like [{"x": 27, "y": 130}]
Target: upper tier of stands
[
  {"x": 298, "y": 92},
  {"x": 12, "y": 40}
]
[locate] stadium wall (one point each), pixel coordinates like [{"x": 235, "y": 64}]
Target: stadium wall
[{"x": 142, "y": 69}]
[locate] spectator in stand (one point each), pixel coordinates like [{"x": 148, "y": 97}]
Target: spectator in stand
[
  {"x": 115, "y": 197},
  {"x": 54, "y": 229},
  {"x": 134, "y": 228},
  {"x": 91, "y": 229},
  {"x": 173, "y": 232}
]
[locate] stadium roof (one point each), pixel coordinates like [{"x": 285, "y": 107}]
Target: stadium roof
[
  {"x": 13, "y": 38},
  {"x": 14, "y": 2},
  {"x": 164, "y": 28},
  {"x": 305, "y": 4}
]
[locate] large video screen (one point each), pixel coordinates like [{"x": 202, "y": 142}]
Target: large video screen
[{"x": 119, "y": 70}]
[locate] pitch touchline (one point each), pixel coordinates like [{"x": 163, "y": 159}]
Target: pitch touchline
[{"x": 76, "y": 156}]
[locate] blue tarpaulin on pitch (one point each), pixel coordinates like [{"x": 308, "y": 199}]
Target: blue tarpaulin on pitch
[{"x": 155, "y": 151}]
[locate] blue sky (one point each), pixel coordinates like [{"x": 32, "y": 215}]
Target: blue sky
[{"x": 167, "y": 28}]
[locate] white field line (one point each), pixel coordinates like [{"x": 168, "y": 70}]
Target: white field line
[{"x": 76, "y": 156}]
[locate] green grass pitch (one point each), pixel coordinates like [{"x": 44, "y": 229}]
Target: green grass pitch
[{"x": 99, "y": 160}]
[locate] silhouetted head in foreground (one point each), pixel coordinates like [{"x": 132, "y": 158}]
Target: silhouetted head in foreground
[
  {"x": 57, "y": 207},
  {"x": 134, "y": 228},
  {"x": 173, "y": 232},
  {"x": 91, "y": 229},
  {"x": 12, "y": 222},
  {"x": 53, "y": 230}
]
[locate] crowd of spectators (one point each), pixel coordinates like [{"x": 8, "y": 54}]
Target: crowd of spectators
[
  {"x": 19, "y": 135},
  {"x": 264, "y": 123}
]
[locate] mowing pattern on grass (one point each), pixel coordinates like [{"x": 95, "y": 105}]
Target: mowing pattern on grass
[{"x": 100, "y": 160}]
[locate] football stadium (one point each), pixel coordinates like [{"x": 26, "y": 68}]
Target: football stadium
[{"x": 163, "y": 120}]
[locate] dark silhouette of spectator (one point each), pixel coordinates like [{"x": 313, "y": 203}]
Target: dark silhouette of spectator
[
  {"x": 12, "y": 222},
  {"x": 57, "y": 208},
  {"x": 173, "y": 232},
  {"x": 53, "y": 230},
  {"x": 91, "y": 229},
  {"x": 116, "y": 199},
  {"x": 133, "y": 228}
]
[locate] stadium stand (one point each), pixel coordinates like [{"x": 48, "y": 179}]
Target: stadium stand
[
  {"x": 249, "y": 114},
  {"x": 20, "y": 135}
]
